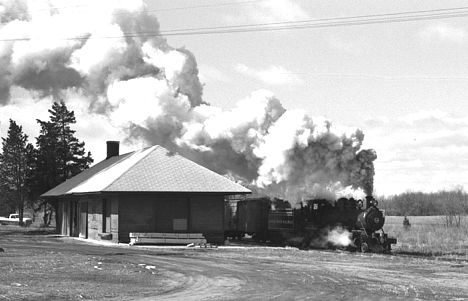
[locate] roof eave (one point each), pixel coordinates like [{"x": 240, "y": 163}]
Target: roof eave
[
  {"x": 180, "y": 192},
  {"x": 141, "y": 192},
  {"x": 69, "y": 195}
]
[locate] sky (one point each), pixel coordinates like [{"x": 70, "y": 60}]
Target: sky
[{"x": 404, "y": 84}]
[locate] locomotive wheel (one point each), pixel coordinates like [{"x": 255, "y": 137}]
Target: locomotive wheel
[{"x": 364, "y": 247}]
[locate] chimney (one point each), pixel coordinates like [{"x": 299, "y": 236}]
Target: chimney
[{"x": 112, "y": 148}]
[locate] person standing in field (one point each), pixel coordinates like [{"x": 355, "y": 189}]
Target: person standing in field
[{"x": 406, "y": 223}]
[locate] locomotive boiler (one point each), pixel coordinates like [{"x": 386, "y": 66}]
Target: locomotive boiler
[
  {"x": 364, "y": 222},
  {"x": 361, "y": 222}
]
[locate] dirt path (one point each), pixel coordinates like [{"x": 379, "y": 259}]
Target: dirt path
[
  {"x": 139, "y": 273},
  {"x": 317, "y": 275}
]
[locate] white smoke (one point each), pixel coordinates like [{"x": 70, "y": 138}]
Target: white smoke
[
  {"x": 339, "y": 237},
  {"x": 151, "y": 91},
  {"x": 324, "y": 238}
]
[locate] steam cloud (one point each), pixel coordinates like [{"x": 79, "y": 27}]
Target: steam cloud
[
  {"x": 332, "y": 237},
  {"x": 340, "y": 237},
  {"x": 152, "y": 91}
]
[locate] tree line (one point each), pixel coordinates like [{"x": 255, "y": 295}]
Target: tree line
[
  {"x": 27, "y": 170},
  {"x": 452, "y": 204}
]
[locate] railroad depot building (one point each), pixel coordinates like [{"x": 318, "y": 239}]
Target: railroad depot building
[{"x": 148, "y": 191}]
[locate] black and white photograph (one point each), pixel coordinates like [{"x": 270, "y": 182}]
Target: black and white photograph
[{"x": 233, "y": 150}]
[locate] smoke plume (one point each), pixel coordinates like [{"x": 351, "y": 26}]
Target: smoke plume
[{"x": 118, "y": 66}]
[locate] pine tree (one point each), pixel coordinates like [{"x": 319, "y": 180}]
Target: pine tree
[
  {"x": 59, "y": 154},
  {"x": 43, "y": 161},
  {"x": 71, "y": 156},
  {"x": 14, "y": 167}
]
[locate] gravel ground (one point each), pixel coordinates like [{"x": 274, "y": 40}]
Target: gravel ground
[{"x": 40, "y": 266}]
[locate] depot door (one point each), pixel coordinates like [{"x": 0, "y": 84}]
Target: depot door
[
  {"x": 83, "y": 220},
  {"x": 74, "y": 217}
]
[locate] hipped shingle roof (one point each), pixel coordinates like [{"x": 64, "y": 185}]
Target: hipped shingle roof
[{"x": 153, "y": 169}]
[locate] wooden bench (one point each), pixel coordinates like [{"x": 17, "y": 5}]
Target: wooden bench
[{"x": 166, "y": 238}]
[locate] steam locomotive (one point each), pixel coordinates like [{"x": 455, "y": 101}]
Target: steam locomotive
[{"x": 360, "y": 225}]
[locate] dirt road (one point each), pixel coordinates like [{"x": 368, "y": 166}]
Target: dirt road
[
  {"x": 251, "y": 273},
  {"x": 264, "y": 273}
]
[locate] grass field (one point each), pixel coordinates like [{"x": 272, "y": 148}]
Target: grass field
[{"x": 428, "y": 235}]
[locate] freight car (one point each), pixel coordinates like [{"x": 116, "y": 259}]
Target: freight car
[{"x": 305, "y": 226}]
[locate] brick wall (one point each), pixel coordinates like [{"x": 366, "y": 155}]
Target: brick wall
[
  {"x": 170, "y": 213},
  {"x": 207, "y": 213},
  {"x": 135, "y": 215}
]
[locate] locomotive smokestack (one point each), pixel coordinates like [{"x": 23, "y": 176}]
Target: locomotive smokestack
[{"x": 369, "y": 201}]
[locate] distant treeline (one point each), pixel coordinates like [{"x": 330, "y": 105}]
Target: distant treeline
[{"x": 454, "y": 202}]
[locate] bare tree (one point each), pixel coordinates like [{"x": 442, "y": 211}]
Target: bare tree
[{"x": 454, "y": 205}]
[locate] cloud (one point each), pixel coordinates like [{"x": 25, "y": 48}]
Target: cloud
[
  {"x": 92, "y": 128},
  {"x": 24, "y": 112},
  {"x": 209, "y": 74},
  {"x": 425, "y": 150},
  {"x": 444, "y": 32},
  {"x": 270, "y": 11},
  {"x": 273, "y": 75},
  {"x": 143, "y": 90}
]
